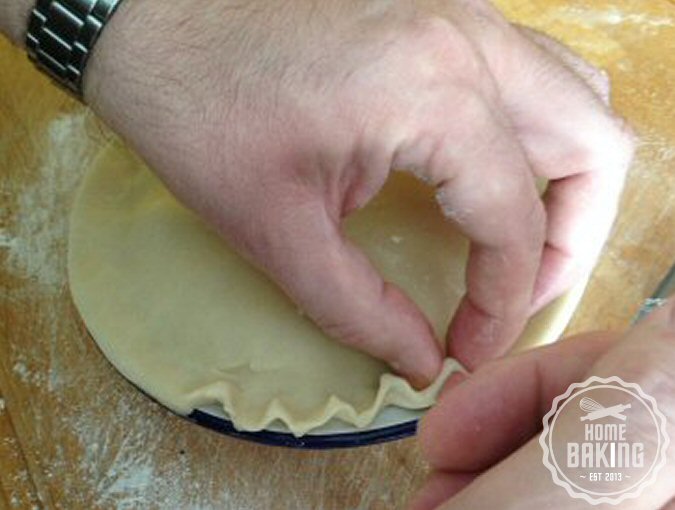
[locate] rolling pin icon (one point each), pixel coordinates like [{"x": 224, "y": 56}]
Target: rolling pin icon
[{"x": 596, "y": 411}]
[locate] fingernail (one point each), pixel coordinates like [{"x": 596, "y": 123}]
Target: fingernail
[
  {"x": 416, "y": 380},
  {"x": 419, "y": 382},
  {"x": 420, "y": 379}
]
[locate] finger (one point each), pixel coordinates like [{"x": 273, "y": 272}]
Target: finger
[
  {"x": 646, "y": 356},
  {"x": 485, "y": 185},
  {"x": 572, "y": 138},
  {"x": 438, "y": 488},
  {"x": 572, "y": 200},
  {"x": 463, "y": 144},
  {"x": 581, "y": 209},
  {"x": 566, "y": 130},
  {"x": 336, "y": 285},
  {"x": 458, "y": 434}
]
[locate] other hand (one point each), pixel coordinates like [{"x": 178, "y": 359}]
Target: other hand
[{"x": 482, "y": 437}]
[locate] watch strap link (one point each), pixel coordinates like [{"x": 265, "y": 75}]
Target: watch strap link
[{"x": 61, "y": 36}]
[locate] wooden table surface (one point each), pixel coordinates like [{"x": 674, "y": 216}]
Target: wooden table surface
[{"x": 75, "y": 435}]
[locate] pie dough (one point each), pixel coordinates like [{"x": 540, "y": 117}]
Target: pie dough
[{"x": 187, "y": 320}]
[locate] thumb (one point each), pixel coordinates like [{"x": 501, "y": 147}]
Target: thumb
[
  {"x": 645, "y": 356},
  {"x": 336, "y": 285}
]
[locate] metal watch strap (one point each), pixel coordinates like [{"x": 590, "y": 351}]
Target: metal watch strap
[{"x": 61, "y": 36}]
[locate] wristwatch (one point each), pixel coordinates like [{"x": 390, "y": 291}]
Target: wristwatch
[{"x": 62, "y": 34}]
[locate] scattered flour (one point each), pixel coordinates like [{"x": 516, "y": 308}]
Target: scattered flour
[
  {"x": 26, "y": 375},
  {"x": 115, "y": 441},
  {"x": 21, "y": 370},
  {"x": 120, "y": 459},
  {"x": 6, "y": 240},
  {"x": 33, "y": 241}
]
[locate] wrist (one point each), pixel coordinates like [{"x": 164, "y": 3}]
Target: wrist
[
  {"x": 146, "y": 60},
  {"x": 130, "y": 61},
  {"x": 110, "y": 51}
]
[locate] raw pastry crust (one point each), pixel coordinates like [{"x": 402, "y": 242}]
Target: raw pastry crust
[{"x": 191, "y": 323}]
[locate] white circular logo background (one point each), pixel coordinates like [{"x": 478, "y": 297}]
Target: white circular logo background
[{"x": 604, "y": 440}]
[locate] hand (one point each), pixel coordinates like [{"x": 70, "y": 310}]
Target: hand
[
  {"x": 274, "y": 123},
  {"x": 482, "y": 437}
]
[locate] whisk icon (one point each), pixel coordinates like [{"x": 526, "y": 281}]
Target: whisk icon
[{"x": 596, "y": 411}]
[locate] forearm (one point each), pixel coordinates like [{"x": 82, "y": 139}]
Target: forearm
[
  {"x": 14, "y": 19},
  {"x": 140, "y": 48}
]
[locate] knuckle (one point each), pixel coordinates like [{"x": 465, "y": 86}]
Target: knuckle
[
  {"x": 444, "y": 48},
  {"x": 346, "y": 333},
  {"x": 616, "y": 151},
  {"x": 437, "y": 30},
  {"x": 605, "y": 151},
  {"x": 472, "y": 107}
]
